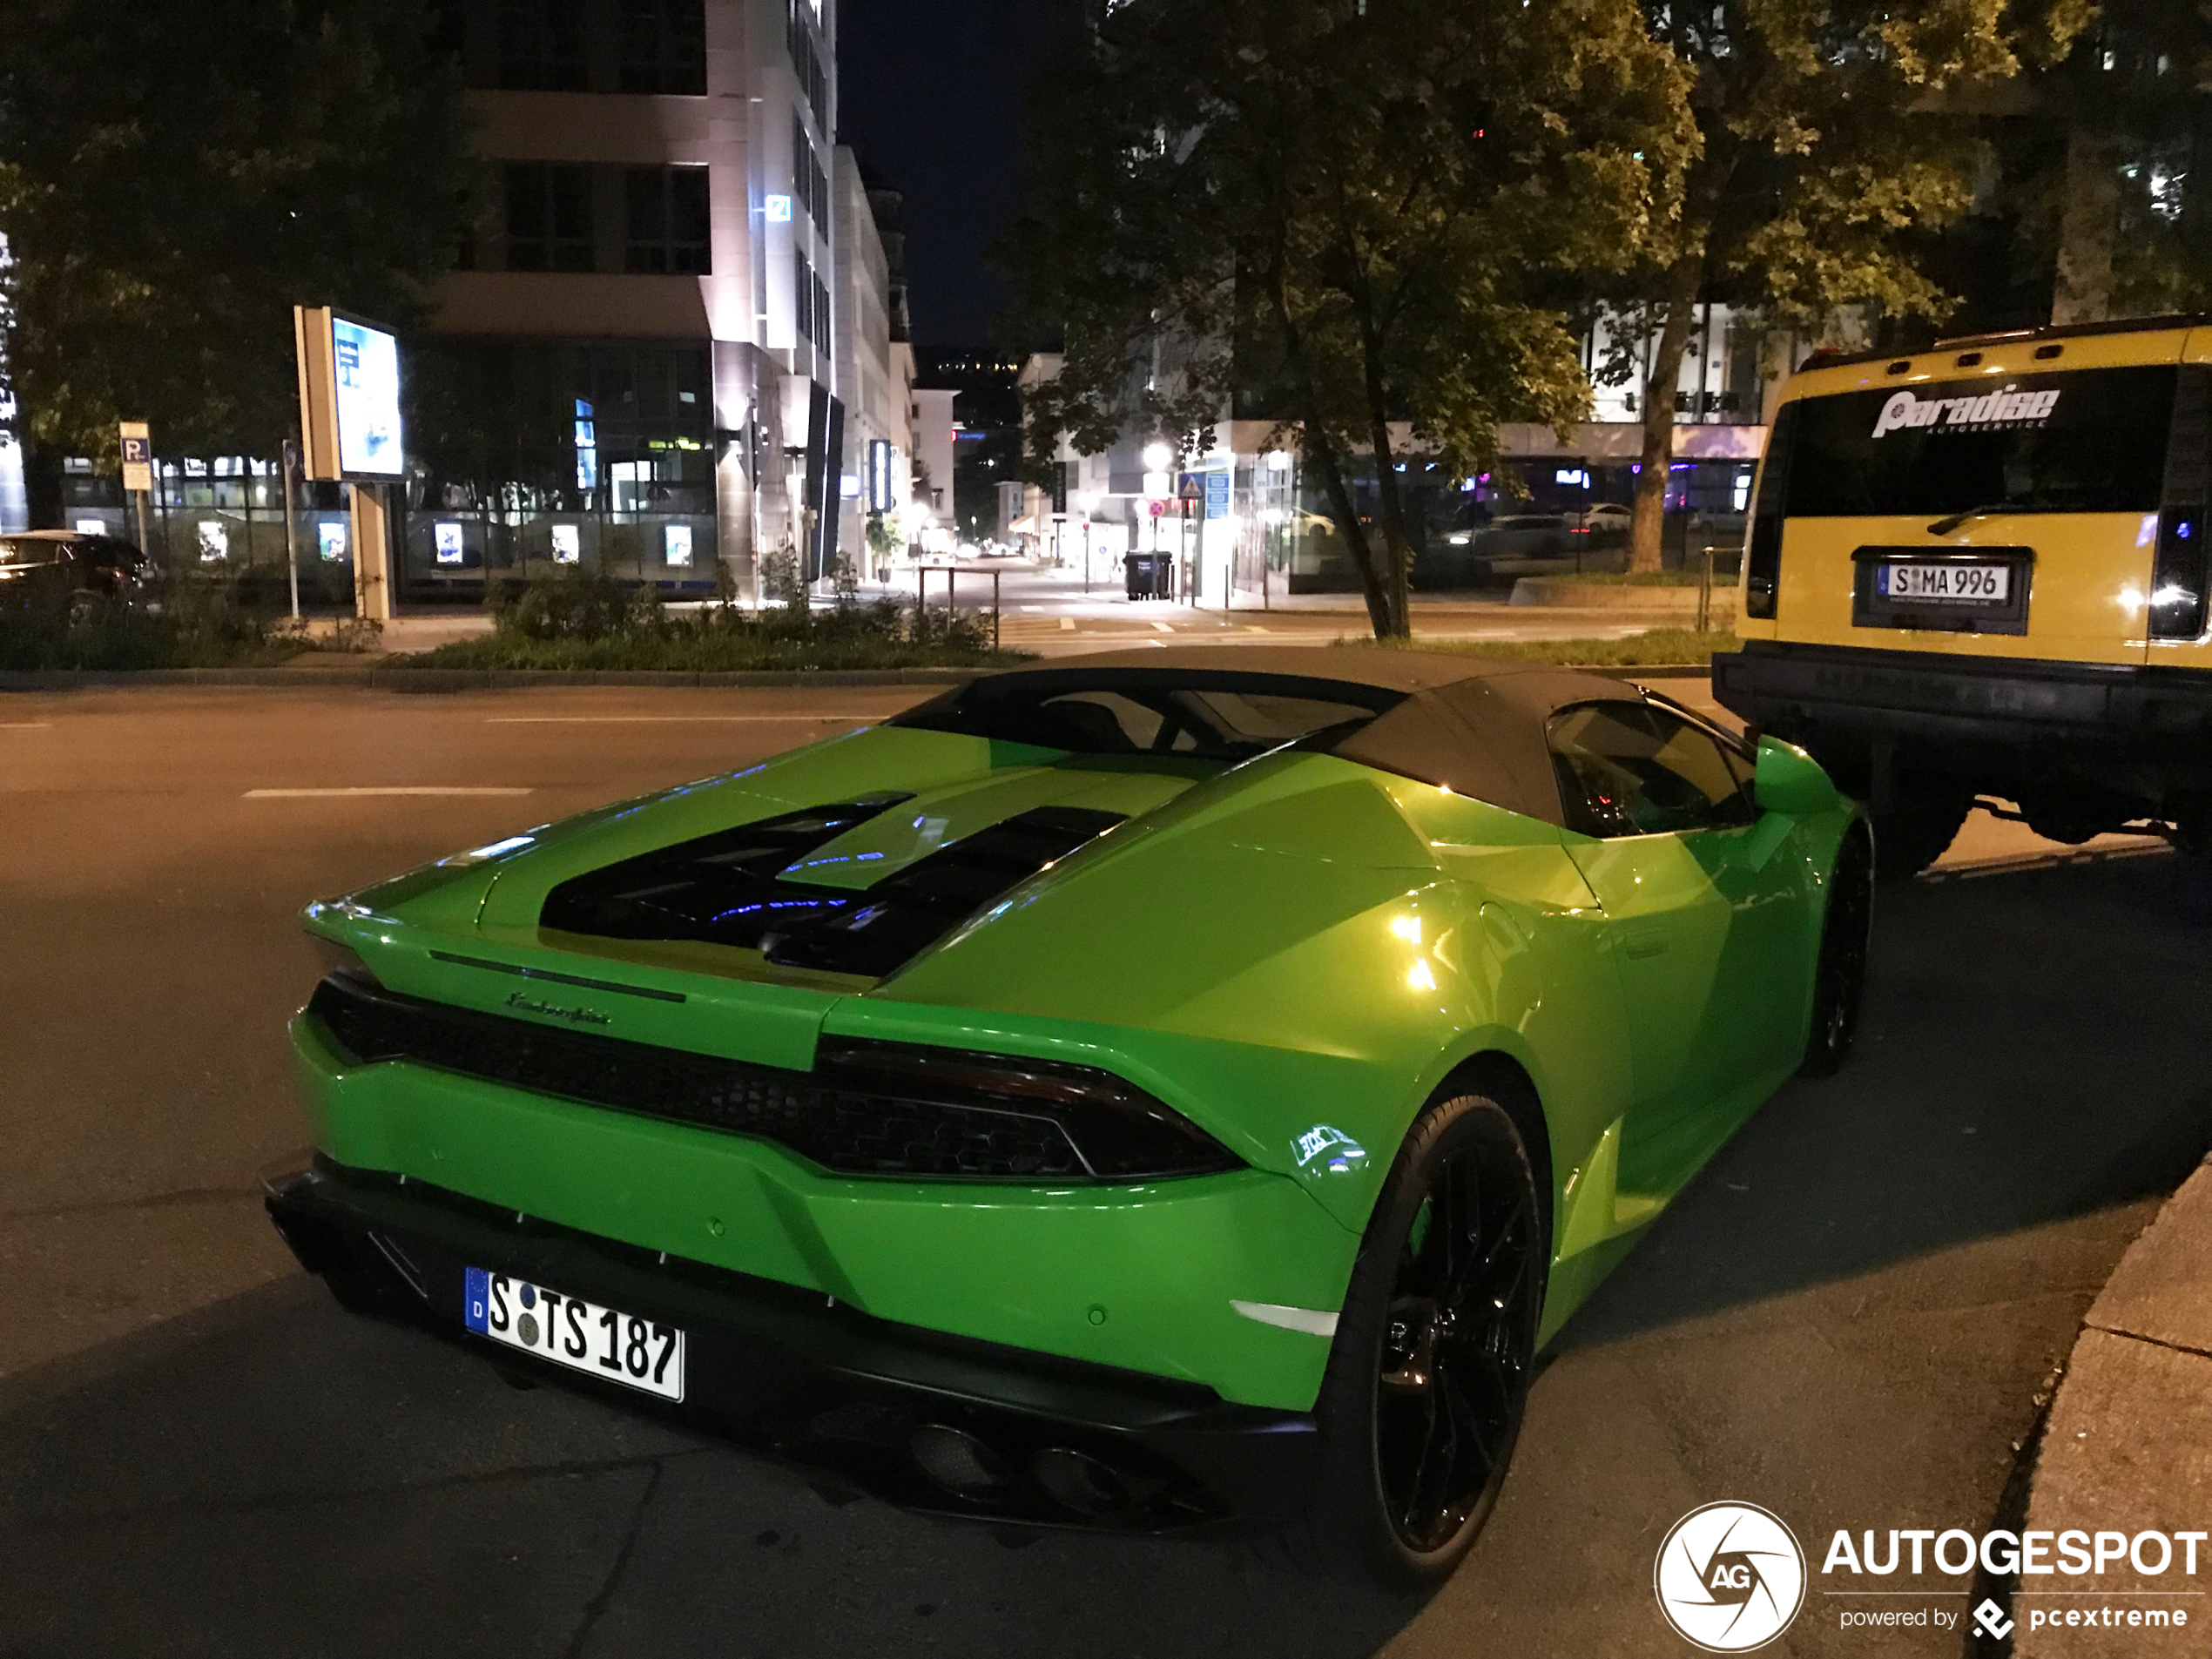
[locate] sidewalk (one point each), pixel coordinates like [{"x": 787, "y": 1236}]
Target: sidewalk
[{"x": 2128, "y": 1444}]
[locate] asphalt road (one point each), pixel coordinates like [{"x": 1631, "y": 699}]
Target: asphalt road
[{"x": 1848, "y": 1320}]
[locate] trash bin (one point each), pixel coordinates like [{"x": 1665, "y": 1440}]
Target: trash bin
[{"x": 1146, "y": 573}]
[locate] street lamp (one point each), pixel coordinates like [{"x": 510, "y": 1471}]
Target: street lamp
[{"x": 1158, "y": 457}]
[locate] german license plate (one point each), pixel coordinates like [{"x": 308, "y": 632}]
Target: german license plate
[
  {"x": 1971, "y": 585},
  {"x": 601, "y": 1342}
]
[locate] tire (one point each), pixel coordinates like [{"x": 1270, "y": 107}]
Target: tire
[
  {"x": 1839, "y": 979},
  {"x": 1916, "y": 832},
  {"x": 1422, "y": 1401}
]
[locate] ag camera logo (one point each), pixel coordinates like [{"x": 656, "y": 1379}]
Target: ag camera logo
[{"x": 1730, "y": 1578}]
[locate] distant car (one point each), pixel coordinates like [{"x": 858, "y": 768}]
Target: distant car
[
  {"x": 1527, "y": 545},
  {"x": 69, "y": 568},
  {"x": 1605, "y": 517}
]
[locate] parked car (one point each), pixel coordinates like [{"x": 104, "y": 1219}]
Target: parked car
[
  {"x": 1525, "y": 545},
  {"x": 1128, "y": 1094},
  {"x": 1605, "y": 518},
  {"x": 1981, "y": 571},
  {"x": 67, "y": 567}
]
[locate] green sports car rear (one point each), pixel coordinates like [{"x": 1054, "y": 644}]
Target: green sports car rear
[{"x": 1133, "y": 1093}]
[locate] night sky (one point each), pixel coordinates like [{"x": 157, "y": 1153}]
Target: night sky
[{"x": 932, "y": 100}]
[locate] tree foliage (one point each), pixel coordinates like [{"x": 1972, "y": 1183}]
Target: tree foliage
[
  {"x": 176, "y": 175},
  {"x": 1362, "y": 207},
  {"x": 1826, "y": 141}
]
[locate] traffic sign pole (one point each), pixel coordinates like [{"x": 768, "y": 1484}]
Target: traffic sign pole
[
  {"x": 291, "y": 462},
  {"x": 138, "y": 470}
]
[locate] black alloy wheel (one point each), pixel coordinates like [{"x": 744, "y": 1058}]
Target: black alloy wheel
[
  {"x": 1435, "y": 1350},
  {"x": 1840, "y": 981}
]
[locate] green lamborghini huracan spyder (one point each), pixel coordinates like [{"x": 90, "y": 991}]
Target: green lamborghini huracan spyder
[{"x": 1132, "y": 1092}]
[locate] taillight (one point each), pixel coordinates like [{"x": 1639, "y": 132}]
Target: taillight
[
  {"x": 1763, "y": 551},
  {"x": 2178, "y": 580},
  {"x": 2181, "y": 577},
  {"x": 1115, "y": 1130}
]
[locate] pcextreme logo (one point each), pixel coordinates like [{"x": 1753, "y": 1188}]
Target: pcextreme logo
[{"x": 1730, "y": 1577}]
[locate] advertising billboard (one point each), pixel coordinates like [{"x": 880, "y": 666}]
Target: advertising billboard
[
  {"x": 349, "y": 397},
  {"x": 367, "y": 361}
]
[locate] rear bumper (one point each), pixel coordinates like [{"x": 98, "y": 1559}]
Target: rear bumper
[
  {"x": 2146, "y": 731},
  {"x": 795, "y": 1374}
]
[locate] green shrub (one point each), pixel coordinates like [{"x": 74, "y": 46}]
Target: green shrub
[
  {"x": 589, "y": 605},
  {"x": 192, "y": 621},
  {"x": 552, "y": 623}
]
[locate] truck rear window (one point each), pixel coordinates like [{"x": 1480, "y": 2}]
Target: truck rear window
[{"x": 2093, "y": 441}]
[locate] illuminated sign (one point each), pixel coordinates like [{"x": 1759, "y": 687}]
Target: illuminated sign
[
  {"x": 568, "y": 544},
  {"x": 779, "y": 210},
  {"x": 367, "y": 361},
  {"x": 676, "y": 546},
  {"x": 448, "y": 542},
  {"x": 880, "y": 476},
  {"x": 330, "y": 536},
  {"x": 587, "y": 448},
  {"x": 349, "y": 397}
]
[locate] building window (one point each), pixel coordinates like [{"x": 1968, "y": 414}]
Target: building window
[
  {"x": 548, "y": 217},
  {"x": 541, "y": 46},
  {"x": 669, "y": 221},
  {"x": 807, "y": 62},
  {"x": 663, "y": 47},
  {"x": 802, "y": 295},
  {"x": 802, "y": 164}
]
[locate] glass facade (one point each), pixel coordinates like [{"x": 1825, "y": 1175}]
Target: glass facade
[{"x": 535, "y": 453}]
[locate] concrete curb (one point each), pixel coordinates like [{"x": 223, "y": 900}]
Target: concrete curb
[
  {"x": 2125, "y": 1449},
  {"x": 462, "y": 679}
]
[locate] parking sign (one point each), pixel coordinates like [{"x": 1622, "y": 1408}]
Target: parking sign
[{"x": 137, "y": 456}]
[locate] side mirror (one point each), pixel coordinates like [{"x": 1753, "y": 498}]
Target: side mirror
[{"x": 1790, "y": 781}]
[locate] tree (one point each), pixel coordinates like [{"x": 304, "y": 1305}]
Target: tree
[
  {"x": 1358, "y": 207},
  {"x": 174, "y": 180},
  {"x": 1824, "y": 141},
  {"x": 2098, "y": 168}
]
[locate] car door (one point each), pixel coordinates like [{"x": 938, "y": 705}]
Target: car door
[{"x": 1704, "y": 925}]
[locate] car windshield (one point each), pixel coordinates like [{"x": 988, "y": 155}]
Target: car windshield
[{"x": 1199, "y": 715}]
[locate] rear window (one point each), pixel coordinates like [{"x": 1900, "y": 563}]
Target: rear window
[{"x": 2088, "y": 441}]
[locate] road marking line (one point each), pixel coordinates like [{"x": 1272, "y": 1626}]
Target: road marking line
[
  {"x": 670, "y": 719},
  {"x": 1066, "y": 625},
  {"x": 358, "y": 794},
  {"x": 1162, "y": 628},
  {"x": 1254, "y": 628},
  {"x": 26, "y": 725}
]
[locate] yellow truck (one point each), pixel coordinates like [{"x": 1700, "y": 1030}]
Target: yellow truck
[{"x": 1980, "y": 571}]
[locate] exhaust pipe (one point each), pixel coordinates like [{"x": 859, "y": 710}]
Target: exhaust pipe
[
  {"x": 1079, "y": 1481},
  {"x": 958, "y": 1462}
]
